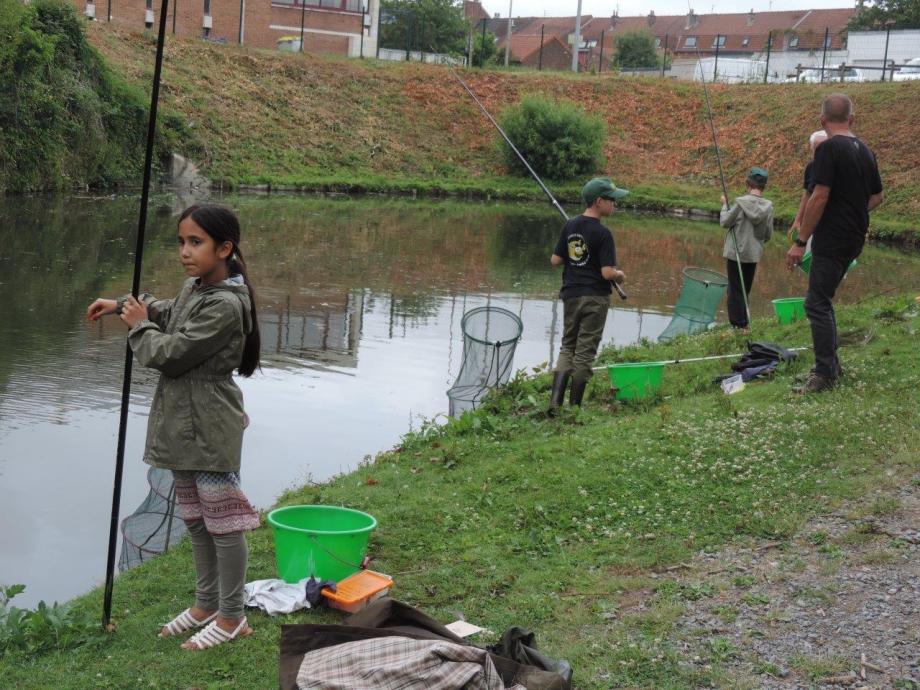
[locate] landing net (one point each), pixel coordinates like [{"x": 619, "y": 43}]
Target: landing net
[
  {"x": 490, "y": 336},
  {"x": 152, "y": 528},
  {"x": 698, "y": 303}
]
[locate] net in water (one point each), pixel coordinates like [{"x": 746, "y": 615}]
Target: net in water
[
  {"x": 153, "y": 527},
  {"x": 490, "y": 336},
  {"x": 698, "y": 303}
]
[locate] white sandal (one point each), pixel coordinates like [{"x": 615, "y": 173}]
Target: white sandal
[
  {"x": 213, "y": 635},
  {"x": 183, "y": 622}
]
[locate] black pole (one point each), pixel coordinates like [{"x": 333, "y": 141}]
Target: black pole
[
  {"x": 482, "y": 51},
  {"x": 885, "y": 59},
  {"x": 175, "y": 9},
  {"x": 540, "y": 63},
  {"x": 715, "y": 66},
  {"x": 242, "y": 11},
  {"x": 766, "y": 71},
  {"x": 129, "y": 355},
  {"x": 303, "y": 12},
  {"x": 664, "y": 58},
  {"x": 363, "y": 18},
  {"x": 600, "y": 62},
  {"x": 379, "y": 14},
  {"x": 824, "y": 54},
  {"x": 109, "y": 12},
  {"x": 408, "y": 57},
  {"x": 523, "y": 160}
]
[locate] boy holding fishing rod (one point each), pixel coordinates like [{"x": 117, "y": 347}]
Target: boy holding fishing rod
[
  {"x": 587, "y": 255},
  {"x": 752, "y": 218}
]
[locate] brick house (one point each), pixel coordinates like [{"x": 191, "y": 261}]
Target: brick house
[
  {"x": 739, "y": 35},
  {"x": 330, "y": 26},
  {"x": 525, "y": 50}
]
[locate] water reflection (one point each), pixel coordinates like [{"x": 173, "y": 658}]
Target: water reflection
[{"x": 360, "y": 307}]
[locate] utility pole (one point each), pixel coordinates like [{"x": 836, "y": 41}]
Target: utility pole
[
  {"x": 508, "y": 37},
  {"x": 576, "y": 42}
]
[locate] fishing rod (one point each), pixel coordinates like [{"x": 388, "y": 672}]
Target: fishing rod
[
  {"x": 701, "y": 359},
  {"x": 565, "y": 216},
  {"x": 715, "y": 143},
  {"x": 129, "y": 355}
]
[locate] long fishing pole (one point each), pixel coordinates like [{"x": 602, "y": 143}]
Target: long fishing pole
[
  {"x": 715, "y": 143},
  {"x": 565, "y": 216},
  {"x": 129, "y": 355}
]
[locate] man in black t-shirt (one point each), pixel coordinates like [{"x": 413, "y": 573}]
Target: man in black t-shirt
[
  {"x": 847, "y": 185},
  {"x": 588, "y": 256}
]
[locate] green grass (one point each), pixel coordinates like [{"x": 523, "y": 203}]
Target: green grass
[{"x": 515, "y": 519}]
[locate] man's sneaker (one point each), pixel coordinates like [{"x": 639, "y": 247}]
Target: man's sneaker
[{"x": 815, "y": 384}]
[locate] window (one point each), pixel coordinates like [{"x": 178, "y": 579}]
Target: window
[
  {"x": 718, "y": 41},
  {"x": 657, "y": 42},
  {"x": 827, "y": 42},
  {"x": 745, "y": 40},
  {"x": 690, "y": 42},
  {"x": 794, "y": 42}
]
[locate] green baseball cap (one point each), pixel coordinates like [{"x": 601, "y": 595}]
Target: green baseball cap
[
  {"x": 758, "y": 172},
  {"x": 603, "y": 188}
]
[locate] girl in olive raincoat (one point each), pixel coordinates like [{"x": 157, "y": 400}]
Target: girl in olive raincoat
[{"x": 196, "y": 418}]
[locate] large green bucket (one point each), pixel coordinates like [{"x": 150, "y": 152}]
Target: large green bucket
[
  {"x": 327, "y": 542},
  {"x": 789, "y": 309},
  {"x": 636, "y": 380}
]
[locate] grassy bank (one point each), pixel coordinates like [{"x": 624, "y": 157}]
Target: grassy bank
[
  {"x": 513, "y": 518},
  {"x": 319, "y": 122}
]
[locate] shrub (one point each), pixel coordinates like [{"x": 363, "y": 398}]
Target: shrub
[{"x": 558, "y": 138}]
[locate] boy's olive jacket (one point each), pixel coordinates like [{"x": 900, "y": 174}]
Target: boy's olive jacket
[{"x": 195, "y": 341}]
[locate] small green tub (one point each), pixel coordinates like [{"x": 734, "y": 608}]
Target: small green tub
[
  {"x": 789, "y": 309},
  {"x": 327, "y": 542},
  {"x": 805, "y": 264},
  {"x": 636, "y": 380}
]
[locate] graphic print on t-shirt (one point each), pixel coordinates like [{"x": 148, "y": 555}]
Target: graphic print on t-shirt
[{"x": 578, "y": 250}]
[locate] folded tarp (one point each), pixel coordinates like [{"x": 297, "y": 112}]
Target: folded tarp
[{"x": 390, "y": 618}]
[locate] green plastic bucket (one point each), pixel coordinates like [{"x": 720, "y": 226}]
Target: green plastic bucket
[
  {"x": 805, "y": 264},
  {"x": 327, "y": 542},
  {"x": 635, "y": 380},
  {"x": 789, "y": 309}
]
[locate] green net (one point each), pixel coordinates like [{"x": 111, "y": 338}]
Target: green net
[{"x": 698, "y": 302}]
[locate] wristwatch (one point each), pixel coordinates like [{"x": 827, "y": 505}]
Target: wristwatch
[{"x": 799, "y": 243}]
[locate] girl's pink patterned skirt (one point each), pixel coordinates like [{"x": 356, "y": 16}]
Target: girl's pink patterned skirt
[{"x": 215, "y": 497}]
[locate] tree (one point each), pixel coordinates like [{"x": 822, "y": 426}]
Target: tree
[
  {"x": 436, "y": 26},
  {"x": 483, "y": 49},
  {"x": 635, "y": 49},
  {"x": 559, "y": 139},
  {"x": 903, "y": 14}
]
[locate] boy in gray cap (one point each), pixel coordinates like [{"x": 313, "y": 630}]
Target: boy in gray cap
[
  {"x": 752, "y": 218},
  {"x": 588, "y": 256}
]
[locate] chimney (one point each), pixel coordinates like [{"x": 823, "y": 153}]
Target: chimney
[
  {"x": 692, "y": 20},
  {"x": 651, "y": 17},
  {"x": 750, "y": 17},
  {"x": 498, "y": 15}
]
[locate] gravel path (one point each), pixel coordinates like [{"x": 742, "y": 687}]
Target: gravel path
[{"x": 837, "y": 606}]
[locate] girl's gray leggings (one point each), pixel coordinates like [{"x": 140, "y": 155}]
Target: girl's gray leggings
[{"x": 220, "y": 560}]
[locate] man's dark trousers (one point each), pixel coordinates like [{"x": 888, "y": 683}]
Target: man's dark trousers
[
  {"x": 823, "y": 280},
  {"x": 737, "y": 311}
]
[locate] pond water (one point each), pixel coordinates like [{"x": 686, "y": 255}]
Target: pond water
[{"x": 360, "y": 305}]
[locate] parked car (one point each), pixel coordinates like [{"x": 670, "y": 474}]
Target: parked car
[
  {"x": 831, "y": 74},
  {"x": 909, "y": 72}
]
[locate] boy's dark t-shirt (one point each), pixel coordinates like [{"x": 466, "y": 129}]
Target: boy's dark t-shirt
[
  {"x": 848, "y": 167},
  {"x": 585, "y": 244}
]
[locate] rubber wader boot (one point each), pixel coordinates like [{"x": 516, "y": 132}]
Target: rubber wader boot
[
  {"x": 557, "y": 397},
  {"x": 578, "y": 391}
]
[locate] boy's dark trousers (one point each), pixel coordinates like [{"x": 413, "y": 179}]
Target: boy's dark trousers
[
  {"x": 823, "y": 279},
  {"x": 583, "y": 327},
  {"x": 737, "y": 314}
]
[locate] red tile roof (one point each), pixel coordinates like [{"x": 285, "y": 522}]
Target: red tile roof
[{"x": 523, "y": 47}]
